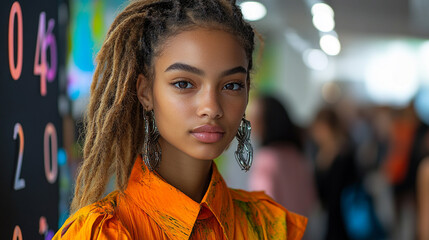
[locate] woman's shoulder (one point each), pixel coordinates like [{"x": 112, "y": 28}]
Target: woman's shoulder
[
  {"x": 269, "y": 212},
  {"x": 95, "y": 221}
]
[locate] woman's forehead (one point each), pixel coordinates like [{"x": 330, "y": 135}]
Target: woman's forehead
[{"x": 202, "y": 48}]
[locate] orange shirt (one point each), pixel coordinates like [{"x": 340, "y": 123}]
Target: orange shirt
[{"x": 150, "y": 208}]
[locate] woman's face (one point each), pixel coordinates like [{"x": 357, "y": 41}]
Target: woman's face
[{"x": 199, "y": 93}]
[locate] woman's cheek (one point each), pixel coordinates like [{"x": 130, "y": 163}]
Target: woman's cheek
[{"x": 172, "y": 111}]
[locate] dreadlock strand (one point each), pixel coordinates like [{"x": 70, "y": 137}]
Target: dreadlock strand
[{"x": 126, "y": 157}]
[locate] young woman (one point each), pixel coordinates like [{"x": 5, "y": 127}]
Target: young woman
[{"x": 168, "y": 96}]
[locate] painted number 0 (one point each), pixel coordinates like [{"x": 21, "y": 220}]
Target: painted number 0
[
  {"x": 51, "y": 172},
  {"x": 19, "y": 182},
  {"x": 15, "y": 70},
  {"x": 17, "y": 234}
]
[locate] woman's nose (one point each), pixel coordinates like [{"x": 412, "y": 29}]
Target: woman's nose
[{"x": 209, "y": 104}]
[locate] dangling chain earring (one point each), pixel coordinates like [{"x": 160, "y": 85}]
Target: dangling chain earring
[
  {"x": 151, "y": 147},
  {"x": 244, "y": 152}
]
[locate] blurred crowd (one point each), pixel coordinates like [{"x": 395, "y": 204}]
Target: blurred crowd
[{"x": 357, "y": 172}]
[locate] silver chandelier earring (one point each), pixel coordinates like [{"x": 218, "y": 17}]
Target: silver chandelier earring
[
  {"x": 151, "y": 147},
  {"x": 244, "y": 152}
]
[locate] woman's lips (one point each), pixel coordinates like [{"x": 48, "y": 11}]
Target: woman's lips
[{"x": 208, "y": 133}]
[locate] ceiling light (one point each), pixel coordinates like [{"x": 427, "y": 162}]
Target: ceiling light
[
  {"x": 323, "y": 22},
  {"x": 330, "y": 44},
  {"x": 252, "y": 10},
  {"x": 322, "y": 8}
]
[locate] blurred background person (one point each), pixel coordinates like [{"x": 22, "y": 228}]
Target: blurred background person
[
  {"x": 334, "y": 168},
  {"x": 280, "y": 167},
  {"x": 409, "y": 146}
]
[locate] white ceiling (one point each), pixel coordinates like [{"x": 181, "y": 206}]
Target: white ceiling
[{"x": 393, "y": 17}]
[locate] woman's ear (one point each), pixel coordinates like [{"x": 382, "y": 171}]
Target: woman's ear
[{"x": 144, "y": 92}]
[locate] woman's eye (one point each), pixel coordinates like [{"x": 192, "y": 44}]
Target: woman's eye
[
  {"x": 233, "y": 86},
  {"x": 183, "y": 84}
]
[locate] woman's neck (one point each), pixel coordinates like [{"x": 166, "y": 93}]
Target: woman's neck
[{"x": 189, "y": 175}]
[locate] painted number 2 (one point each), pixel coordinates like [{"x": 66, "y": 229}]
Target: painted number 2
[{"x": 19, "y": 182}]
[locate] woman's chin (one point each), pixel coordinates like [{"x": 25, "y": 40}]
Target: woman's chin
[{"x": 206, "y": 155}]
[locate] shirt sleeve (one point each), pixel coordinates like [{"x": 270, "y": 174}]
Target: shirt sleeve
[
  {"x": 295, "y": 223},
  {"x": 92, "y": 225},
  {"x": 262, "y": 211}
]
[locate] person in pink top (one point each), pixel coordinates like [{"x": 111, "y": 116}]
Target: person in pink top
[{"x": 280, "y": 167}]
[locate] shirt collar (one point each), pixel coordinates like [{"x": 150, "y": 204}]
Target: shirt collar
[{"x": 171, "y": 209}]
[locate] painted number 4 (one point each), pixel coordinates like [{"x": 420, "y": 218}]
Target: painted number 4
[{"x": 45, "y": 39}]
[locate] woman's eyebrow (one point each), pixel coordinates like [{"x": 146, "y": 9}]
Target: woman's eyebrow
[
  {"x": 235, "y": 70},
  {"x": 185, "y": 67},
  {"x": 195, "y": 70}
]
